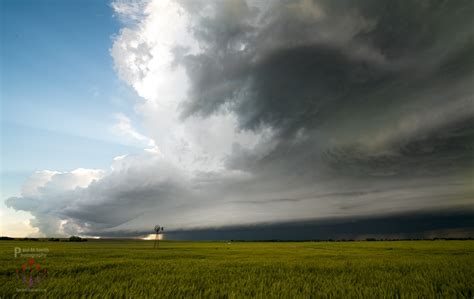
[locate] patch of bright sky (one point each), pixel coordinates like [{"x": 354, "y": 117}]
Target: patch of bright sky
[{"x": 59, "y": 90}]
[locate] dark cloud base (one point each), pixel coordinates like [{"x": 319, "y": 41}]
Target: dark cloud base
[{"x": 425, "y": 225}]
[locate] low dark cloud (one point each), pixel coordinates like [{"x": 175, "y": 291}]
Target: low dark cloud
[{"x": 418, "y": 225}]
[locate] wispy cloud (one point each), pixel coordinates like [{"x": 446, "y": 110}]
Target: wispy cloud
[{"x": 123, "y": 127}]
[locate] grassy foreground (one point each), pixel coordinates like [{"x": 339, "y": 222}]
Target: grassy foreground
[{"x": 133, "y": 269}]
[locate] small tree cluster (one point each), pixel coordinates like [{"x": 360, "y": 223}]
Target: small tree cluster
[{"x": 76, "y": 239}]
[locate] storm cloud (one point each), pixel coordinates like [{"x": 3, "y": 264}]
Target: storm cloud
[
  {"x": 286, "y": 111},
  {"x": 372, "y": 83}
]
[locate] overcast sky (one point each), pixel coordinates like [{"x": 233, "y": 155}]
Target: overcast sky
[{"x": 120, "y": 115}]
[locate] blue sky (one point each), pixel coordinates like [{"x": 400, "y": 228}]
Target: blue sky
[{"x": 59, "y": 89}]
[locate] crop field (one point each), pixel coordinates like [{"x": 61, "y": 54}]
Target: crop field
[{"x": 133, "y": 269}]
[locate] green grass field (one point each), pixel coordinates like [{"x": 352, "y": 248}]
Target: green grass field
[{"x": 133, "y": 269}]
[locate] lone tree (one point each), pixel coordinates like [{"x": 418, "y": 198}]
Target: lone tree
[{"x": 158, "y": 230}]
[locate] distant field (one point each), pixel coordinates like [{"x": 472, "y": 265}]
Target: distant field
[{"x": 111, "y": 269}]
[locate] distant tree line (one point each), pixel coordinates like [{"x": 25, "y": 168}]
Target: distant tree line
[
  {"x": 70, "y": 239},
  {"x": 79, "y": 239}
]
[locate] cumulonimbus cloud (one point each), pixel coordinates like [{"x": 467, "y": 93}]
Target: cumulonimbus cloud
[{"x": 285, "y": 110}]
